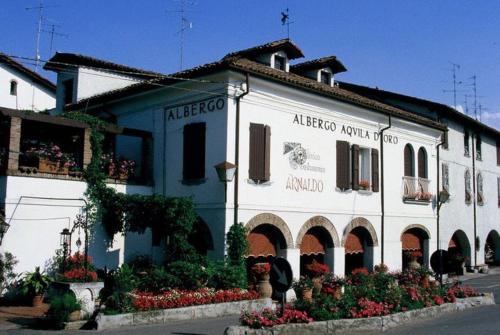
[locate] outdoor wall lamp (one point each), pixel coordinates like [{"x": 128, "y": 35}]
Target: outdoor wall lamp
[
  {"x": 444, "y": 196},
  {"x": 225, "y": 171},
  {"x": 4, "y": 226}
]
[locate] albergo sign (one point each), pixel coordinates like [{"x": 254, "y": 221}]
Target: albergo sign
[
  {"x": 195, "y": 108},
  {"x": 330, "y": 126}
]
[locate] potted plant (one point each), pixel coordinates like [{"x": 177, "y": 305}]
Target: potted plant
[
  {"x": 64, "y": 308},
  {"x": 261, "y": 271},
  {"x": 413, "y": 256},
  {"x": 126, "y": 168},
  {"x": 33, "y": 285},
  {"x": 317, "y": 270},
  {"x": 364, "y": 184},
  {"x": 424, "y": 196},
  {"x": 303, "y": 288}
]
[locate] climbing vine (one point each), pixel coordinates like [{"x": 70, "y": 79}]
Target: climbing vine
[{"x": 172, "y": 218}]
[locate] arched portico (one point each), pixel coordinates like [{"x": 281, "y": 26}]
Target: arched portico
[
  {"x": 415, "y": 245},
  {"x": 316, "y": 240},
  {"x": 459, "y": 252},
  {"x": 492, "y": 248},
  {"x": 358, "y": 241}
]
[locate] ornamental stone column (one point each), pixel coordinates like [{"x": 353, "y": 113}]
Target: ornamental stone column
[{"x": 339, "y": 261}]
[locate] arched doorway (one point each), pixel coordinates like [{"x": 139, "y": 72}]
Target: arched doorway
[
  {"x": 358, "y": 241},
  {"x": 458, "y": 252},
  {"x": 492, "y": 248},
  {"x": 316, "y": 240},
  {"x": 415, "y": 246},
  {"x": 316, "y": 246}
]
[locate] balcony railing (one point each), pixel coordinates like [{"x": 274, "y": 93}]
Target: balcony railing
[{"x": 416, "y": 189}]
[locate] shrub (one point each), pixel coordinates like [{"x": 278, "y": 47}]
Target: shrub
[
  {"x": 156, "y": 280},
  {"x": 223, "y": 275},
  {"x": 61, "y": 307},
  {"x": 188, "y": 275},
  {"x": 117, "y": 288},
  {"x": 7, "y": 275}
]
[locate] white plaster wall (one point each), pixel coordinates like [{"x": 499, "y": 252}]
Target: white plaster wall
[
  {"x": 34, "y": 236},
  {"x": 92, "y": 82},
  {"x": 30, "y": 95}
]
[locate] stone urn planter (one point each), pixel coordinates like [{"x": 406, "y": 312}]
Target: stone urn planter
[
  {"x": 307, "y": 294},
  {"x": 265, "y": 288},
  {"x": 75, "y": 316},
  {"x": 317, "y": 285},
  {"x": 414, "y": 264},
  {"x": 86, "y": 293}
]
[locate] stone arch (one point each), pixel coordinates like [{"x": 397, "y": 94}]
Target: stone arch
[
  {"x": 318, "y": 221},
  {"x": 274, "y": 220},
  {"x": 492, "y": 248},
  {"x": 201, "y": 237},
  {"x": 416, "y": 226},
  {"x": 361, "y": 222}
]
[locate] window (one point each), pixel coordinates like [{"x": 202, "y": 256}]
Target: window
[
  {"x": 466, "y": 143},
  {"x": 498, "y": 190},
  {"x": 480, "y": 194},
  {"x": 194, "y": 151},
  {"x": 422, "y": 163},
  {"x": 13, "y": 87},
  {"x": 357, "y": 168},
  {"x": 279, "y": 63},
  {"x": 468, "y": 189},
  {"x": 478, "y": 148},
  {"x": 326, "y": 77},
  {"x": 498, "y": 152},
  {"x": 260, "y": 153},
  {"x": 446, "y": 177},
  {"x": 409, "y": 169},
  {"x": 68, "y": 91}
]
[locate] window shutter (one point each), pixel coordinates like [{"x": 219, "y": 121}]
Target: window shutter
[
  {"x": 194, "y": 151},
  {"x": 267, "y": 153},
  {"x": 422, "y": 163},
  {"x": 408, "y": 157},
  {"x": 257, "y": 152},
  {"x": 343, "y": 165},
  {"x": 498, "y": 152},
  {"x": 444, "y": 139},
  {"x": 375, "y": 184},
  {"x": 355, "y": 167}
]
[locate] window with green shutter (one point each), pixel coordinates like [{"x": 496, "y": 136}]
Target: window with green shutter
[
  {"x": 343, "y": 165},
  {"x": 260, "y": 153}
]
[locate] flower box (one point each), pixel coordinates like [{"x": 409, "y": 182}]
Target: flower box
[{"x": 48, "y": 166}]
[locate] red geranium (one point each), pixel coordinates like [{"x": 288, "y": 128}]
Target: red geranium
[
  {"x": 317, "y": 269},
  {"x": 261, "y": 268}
]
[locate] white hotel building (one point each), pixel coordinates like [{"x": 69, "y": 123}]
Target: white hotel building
[{"x": 325, "y": 170}]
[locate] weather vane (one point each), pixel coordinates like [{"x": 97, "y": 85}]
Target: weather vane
[{"x": 285, "y": 20}]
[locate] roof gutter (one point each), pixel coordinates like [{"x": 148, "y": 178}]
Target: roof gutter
[
  {"x": 382, "y": 189},
  {"x": 237, "y": 146}
]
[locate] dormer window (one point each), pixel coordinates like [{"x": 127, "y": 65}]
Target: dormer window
[
  {"x": 13, "y": 87},
  {"x": 279, "y": 62},
  {"x": 325, "y": 77}
]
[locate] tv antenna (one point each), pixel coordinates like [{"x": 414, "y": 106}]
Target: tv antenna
[
  {"x": 285, "y": 20},
  {"x": 185, "y": 24},
  {"x": 52, "y": 32},
  {"x": 475, "y": 96},
  {"x": 456, "y": 82},
  {"x": 40, "y": 9}
]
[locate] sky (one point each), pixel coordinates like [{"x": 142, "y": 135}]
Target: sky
[{"x": 403, "y": 46}]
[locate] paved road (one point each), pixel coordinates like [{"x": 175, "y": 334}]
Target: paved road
[{"x": 477, "y": 321}]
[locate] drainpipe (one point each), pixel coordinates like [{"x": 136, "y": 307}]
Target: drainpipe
[
  {"x": 475, "y": 195},
  {"x": 237, "y": 147},
  {"x": 438, "y": 244},
  {"x": 382, "y": 190}
]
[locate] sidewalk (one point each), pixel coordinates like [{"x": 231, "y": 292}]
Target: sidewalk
[
  {"x": 473, "y": 275},
  {"x": 14, "y": 317}
]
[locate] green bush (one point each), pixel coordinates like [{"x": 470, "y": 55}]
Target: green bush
[
  {"x": 223, "y": 276},
  {"x": 117, "y": 286},
  {"x": 7, "y": 275},
  {"x": 188, "y": 275},
  {"x": 156, "y": 280},
  {"x": 61, "y": 307},
  {"x": 34, "y": 283}
]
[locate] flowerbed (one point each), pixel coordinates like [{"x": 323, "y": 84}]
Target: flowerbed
[
  {"x": 270, "y": 318},
  {"x": 365, "y": 295},
  {"x": 145, "y": 301}
]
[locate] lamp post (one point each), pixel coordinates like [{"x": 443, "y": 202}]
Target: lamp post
[
  {"x": 65, "y": 242},
  {"x": 4, "y": 226},
  {"x": 225, "y": 171}
]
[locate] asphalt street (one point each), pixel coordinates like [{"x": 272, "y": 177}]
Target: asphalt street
[{"x": 477, "y": 321}]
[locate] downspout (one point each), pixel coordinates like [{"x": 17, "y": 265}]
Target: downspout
[
  {"x": 475, "y": 196},
  {"x": 438, "y": 244},
  {"x": 237, "y": 147},
  {"x": 382, "y": 189}
]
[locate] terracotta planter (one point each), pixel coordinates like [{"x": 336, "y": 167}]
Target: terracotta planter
[
  {"x": 265, "y": 288},
  {"x": 37, "y": 300},
  {"x": 47, "y": 166},
  {"x": 317, "y": 285},
  {"x": 123, "y": 176},
  {"x": 75, "y": 316},
  {"x": 307, "y": 294}
]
